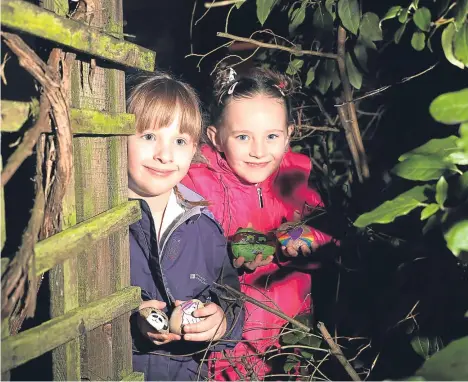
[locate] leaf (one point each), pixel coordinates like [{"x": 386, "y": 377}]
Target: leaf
[
  {"x": 310, "y": 76},
  {"x": 322, "y": 19},
  {"x": 418, "y": 41},
  {"x": 354, "y": 75},
  {"x": 426, "y": 346},
  {"x": 399, "y": 34},
  {"x": 367, "y": 43},
  {"x": 391, "y": 13},
  {"x": 325, "y": 75},
  {"x": 461, "y": 44},
  {"x": 239, "y": 4},
  {"x": 441, "y": 191},
  {"x": 457, "y": 237},
  {"x": 461, "y": 12},
  {"x": 429, "y": 210},
  {"x": 370, "y": 27},
  {"x": 360, "y": 52},
  {"x": 391, "y": 209},
  {"x": 450, "y": 108},
  {"x": 330, "y": 7},
  {"x": 264, "y": 8},
  {"x": 441, "y": 147},
  {"x": 297, "y": 17},
  {"x": 459, "y": 157},
  {"x": 422, "y": 19},
  {"x": 447, "y": 45},
  {"x": 403, "y": 16},
  {"x": 350, "y": 14},
  {"x": 294, "y": 66},
  {"x": 449, "y": 364},
  {"x": 423, "y": 167}
]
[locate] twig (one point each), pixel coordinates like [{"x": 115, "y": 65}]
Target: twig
[
  {"x": 324, "y": 112},
  {"x": 320, "y": 128},
  {"x": 362, "y": 166},
  {"x": 292, "y": 50},
  {"x": 276, "y": 312},
  {"x": 336, "y": 351},
  {"x": 223, "y": 3}
]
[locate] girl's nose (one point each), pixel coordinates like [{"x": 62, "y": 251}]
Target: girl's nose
[
  {"x": 164, "y": 154},
  {"x": 257, "y": 149}
]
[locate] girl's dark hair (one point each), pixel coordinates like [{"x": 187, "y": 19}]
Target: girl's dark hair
[{"x": 229, "y": 85}]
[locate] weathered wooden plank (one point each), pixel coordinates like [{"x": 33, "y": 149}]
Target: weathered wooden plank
[
  {"x": 79, "y": 238},
  {"x": 26, "y": 17},
  {"x": 135, "y": 376},
  {"x": 85, "y": 122},
  {"x": 18, "y": 349},
  {"x": 2, "y": 215}
]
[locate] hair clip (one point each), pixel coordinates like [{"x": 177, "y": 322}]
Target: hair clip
[
  {"x": 232, "y": 75},
  {"x": 279, "y": 87},
  {"x": 233, "y": 86}
]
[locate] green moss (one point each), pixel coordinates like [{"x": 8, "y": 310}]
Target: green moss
[{"x": 91, "y": 122}]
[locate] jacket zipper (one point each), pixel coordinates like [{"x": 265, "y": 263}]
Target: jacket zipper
[{"x": 260, "y": 196}]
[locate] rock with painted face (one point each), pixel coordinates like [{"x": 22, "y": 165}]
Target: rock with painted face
[
  {"x": 248, "y": 243},
  {"x": 156, "y": 318},
  {"x": 295, "y": 234},
  {"x": 183, "y": 315}
]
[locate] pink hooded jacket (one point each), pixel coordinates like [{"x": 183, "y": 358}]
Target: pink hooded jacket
[{"x": 284, "y": 196}]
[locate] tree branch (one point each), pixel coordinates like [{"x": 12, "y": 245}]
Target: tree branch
[{"x": 261, "y": 44}]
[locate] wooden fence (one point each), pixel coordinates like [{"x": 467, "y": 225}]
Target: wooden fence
[{"x": 88, "y": 259}]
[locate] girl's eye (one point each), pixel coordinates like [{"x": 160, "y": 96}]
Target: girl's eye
[
  {"x": 242, "y": 137},
  {"x": 149, "y": 137},
  {"x": 181, "y": 142},
  {"x": 272, "y": 136}
]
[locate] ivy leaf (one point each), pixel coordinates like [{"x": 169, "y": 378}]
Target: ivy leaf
[
  {"x": 423, "y": 167},
  {"x": 399, "y": 33},
  {"x": 450, "y": 108},
  {"x": 350, "y": 14},
  {"x": 355, "y": 76},
  {"x": 461, "y": 44},
  {"x": 360, "y": 52},
  {"x": 391, "y": 13},
  {"x": 330, "y": 7},
  {"x": 322, "y": 19},
  {"x": 310, "y": 76},
  {"x": 422, "y": 19},
  {"x": 370, "y": 27},
  {"x": 418, "y": 41},
  {"x": 442, "y": 147},
  {"x": 391, "y": 209},
  {"x": 403, "y": 16},
  {"x": 297, "y": 17},
  {"x": 447, "y": 45},
  {"x": 429, "y": 210},
  {"x": 441, "y": 191},
  {"x": 461, "y": 12},
  {"x": 294, "y": 66},
  {"x": 457, "y": 237},
  {"x": 264, "y": 8}
]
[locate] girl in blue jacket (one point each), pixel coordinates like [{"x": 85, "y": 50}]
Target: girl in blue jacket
[{"x": 178, "y": 251}]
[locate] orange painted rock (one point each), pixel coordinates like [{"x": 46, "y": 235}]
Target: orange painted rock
[{"x": 183, "y": 315}]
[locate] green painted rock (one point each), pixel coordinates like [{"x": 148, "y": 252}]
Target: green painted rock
[{"x": 248, "y": 243}]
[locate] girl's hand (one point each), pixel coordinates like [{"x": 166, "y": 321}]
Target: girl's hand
[
  {"x": 213, "y": 327},
  {"x": 148, "y": 331},
  {"x": 252, "y": 265}
]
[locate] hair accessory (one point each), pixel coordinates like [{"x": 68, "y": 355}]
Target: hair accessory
[
  {"x": 280, "y": 88},
  {"x": 232, "y": 75},
  {"x": 233, "y": 86}
]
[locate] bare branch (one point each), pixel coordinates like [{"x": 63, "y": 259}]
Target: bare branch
[{"x": 223, "y": 3}]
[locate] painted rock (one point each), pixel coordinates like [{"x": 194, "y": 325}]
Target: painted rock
[
  {"x": 298, "y": 234},
  {"x": 156, "y": 318},
  {"x": 248, "y": 243},
  {"x": 183, "y": 315}
]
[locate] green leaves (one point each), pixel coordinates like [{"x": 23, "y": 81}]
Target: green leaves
[
  {"x": 461, "y": 44},
  {"x": 354, "y": 75},
  {"x": 429, "y": 210},
  {"x": 461, "y": 12},
  {"x": 442, "y": 147},
  {"x": 457, "y": 237},
  {"x": 450, "y": 108},
  {"x": 449, "y": 364},
  {"x": 350, "y": 14},
  {"x": 391, "y": 13},
  {"x": 399, "y": 33},
  {"x": 310, "y": 76},
  {"x": 391, "y": 209},
  {"x": 425, "y": 346},
  {"x": 418, "y": 41},
  {"x": 369, "y": 28},
  {"x": 264, "y": 8},
  {"x": 441, "y": 191},
  {"x": 423, "y": 167},
  {"x": 297, "y": 17},
  {"x": 322, "y": 19},
  {"x": 447, "y": 45},
  {"x": 294, "y": 66},
  {"x": 422, "y": 19}
]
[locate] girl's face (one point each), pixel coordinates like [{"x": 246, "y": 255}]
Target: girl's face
[
  {"x": 158, "y": 159},
  {"x": 254, "y": 137}
]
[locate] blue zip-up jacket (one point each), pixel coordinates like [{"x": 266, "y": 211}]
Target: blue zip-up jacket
[{"x": 189, "y": 258}]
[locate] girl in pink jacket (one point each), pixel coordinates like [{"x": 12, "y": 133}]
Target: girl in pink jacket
[{"x": 252, "y": 179}]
